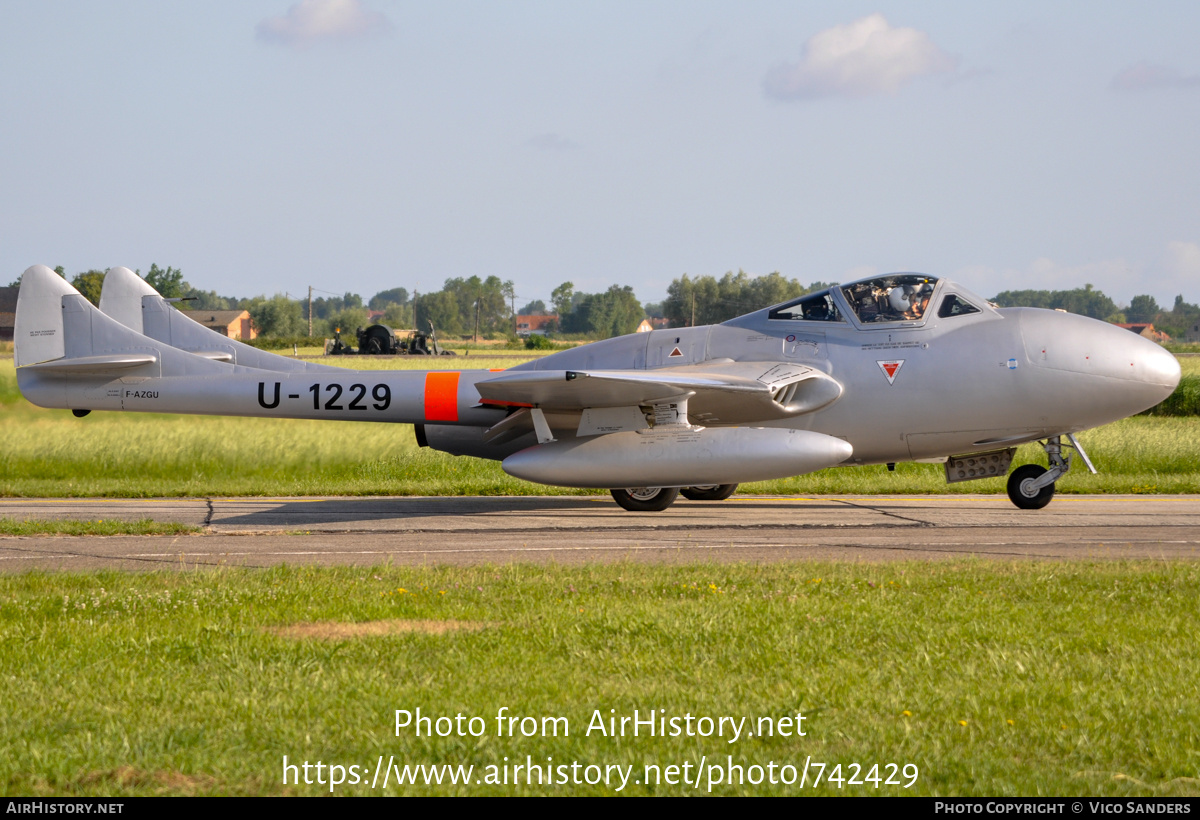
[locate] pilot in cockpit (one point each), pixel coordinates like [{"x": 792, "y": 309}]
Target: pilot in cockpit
[{"x": 910, "y": 301}]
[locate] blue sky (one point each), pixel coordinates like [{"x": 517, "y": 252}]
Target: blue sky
[{"x": 264, "y": 146}]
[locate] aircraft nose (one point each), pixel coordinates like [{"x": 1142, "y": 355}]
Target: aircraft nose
[
  {"x": 1159, "y": 367},
  {"x": 1126, "y": 371}
]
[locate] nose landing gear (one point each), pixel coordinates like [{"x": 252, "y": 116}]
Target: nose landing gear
[{"x": 1032, "y": 486}]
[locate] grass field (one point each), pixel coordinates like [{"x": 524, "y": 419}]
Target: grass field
[
  {"x": 51, "y": 453},
  {"x": 990, "y": 678}
]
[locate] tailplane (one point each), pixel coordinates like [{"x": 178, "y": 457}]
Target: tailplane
[{"x": 59, "y": 334}]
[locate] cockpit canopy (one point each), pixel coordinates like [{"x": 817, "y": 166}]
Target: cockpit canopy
[
  {"x": 893, "y": 297},
  {"x": 899, "y": 297}
]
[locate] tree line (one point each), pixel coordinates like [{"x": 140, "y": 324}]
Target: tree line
[
  {"x": 487, "y": 306},
  {"x": 1087, "y": 301}
]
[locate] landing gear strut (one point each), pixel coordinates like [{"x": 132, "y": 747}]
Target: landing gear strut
[{"x": 1031, "y": 487}]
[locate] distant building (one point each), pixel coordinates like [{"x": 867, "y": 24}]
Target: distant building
[
  {"x": 235, "y": 324},
  {"x": 8, "y": 312},
  {"x": 528, "y": 324},
  {"x": 1146, "y": 331},
  {"x": 1193, "y": 333}
]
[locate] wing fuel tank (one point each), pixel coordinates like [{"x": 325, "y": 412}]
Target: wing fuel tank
[{"x": 678, "y": 458}]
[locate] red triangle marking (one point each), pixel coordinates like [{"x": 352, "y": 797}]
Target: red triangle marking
[
  {"x": 890, "y": 369},
  {"x": 675, "y": 352}
]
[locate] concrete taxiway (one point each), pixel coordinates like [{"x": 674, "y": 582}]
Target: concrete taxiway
[{"x": 262, "y": 532}]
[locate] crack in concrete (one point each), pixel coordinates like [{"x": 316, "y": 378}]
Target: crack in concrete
[{"x": 916, "y": 521}]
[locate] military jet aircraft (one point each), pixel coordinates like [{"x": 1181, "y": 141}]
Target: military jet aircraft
[{"x": 898, "y": 367}]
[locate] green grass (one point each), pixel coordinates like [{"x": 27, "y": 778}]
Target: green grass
[
  {"x": 145, "y": 526},
  {"x": 1185, "y": 401},
  {"x": 1017, "y": 679},
  {"x": 51, "y": 453}
]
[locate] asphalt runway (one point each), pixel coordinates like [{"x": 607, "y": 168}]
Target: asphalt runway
[{"x": 260, "y": 532}]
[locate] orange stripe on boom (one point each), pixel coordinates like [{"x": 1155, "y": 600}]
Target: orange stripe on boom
[{"x": 441, "y": 396}]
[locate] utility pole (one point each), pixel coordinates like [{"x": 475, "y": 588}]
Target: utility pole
[
  {"x": 477, "y": 320},
  {"x": 310, "y": 310},
  {"x": 693, "y": 324}
]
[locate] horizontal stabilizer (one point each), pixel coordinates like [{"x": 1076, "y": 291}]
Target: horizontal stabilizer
[
  {"x": 213, "y": 355},
  {"x": 97, "y": 365}
]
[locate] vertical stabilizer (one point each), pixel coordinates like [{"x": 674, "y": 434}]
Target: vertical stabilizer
[
  {"x": 121, "y": 297},
  {"x": 129, "y": 299},
  {"x": 38, "y": 334}
]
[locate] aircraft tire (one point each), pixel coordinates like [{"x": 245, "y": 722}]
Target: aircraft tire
[
  {"x": 1029, "y": 502},
  {"x": 708, "y": 492},
  {"x": 646, "y": 499}
]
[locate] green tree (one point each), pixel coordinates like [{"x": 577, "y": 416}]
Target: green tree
[
  {"x": 395, "y": 296},
  {"x": 603, "y": 315},
  {"x": 348, "y": 321},
  {"x": 1179, "y": 318},
  {"x": 169, "y": 283},
  {"x": 397, "y": 316},
  {"x": 562, "y": 297},
  {"x": 1086, "y": 301},
  {"x": 277, "y": 316},
  {"x": 324, "y": 307},
  {"x": 489, "y": 294},
  {"x": 1142, "y": 308},
  {"x": 89, "y": 284},
  {"x": 705, "y": 300},
  {"x": 441, "y": 308},
  {"x": 206, "y": 299}
]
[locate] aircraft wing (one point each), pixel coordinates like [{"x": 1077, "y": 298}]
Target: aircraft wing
[{"x": 725, "y": 392}]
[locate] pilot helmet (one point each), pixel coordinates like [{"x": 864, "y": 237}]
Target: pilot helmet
[{"x": 900, "y": 298}]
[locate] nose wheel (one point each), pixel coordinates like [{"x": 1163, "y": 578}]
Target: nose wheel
[
  {"x": 1026, "y": 491},
  {"x": 1032, "y": 486}
]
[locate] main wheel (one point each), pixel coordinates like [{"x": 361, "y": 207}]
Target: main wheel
[
  {"x": 708, "y": 492},
  {"x": 645, "y": 499},
  {"x": 1021, "y": 494}
]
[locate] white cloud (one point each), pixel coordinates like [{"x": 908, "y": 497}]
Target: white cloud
[
  {"x": 868, "y": 56},
  {"x": 1144, "y": 76},
  {"x": 311, "y": 21}
]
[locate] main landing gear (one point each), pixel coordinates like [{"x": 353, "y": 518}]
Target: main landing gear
[
  {"x": 656, "y": 499},
  {"x": 1032, "y": 486}
]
